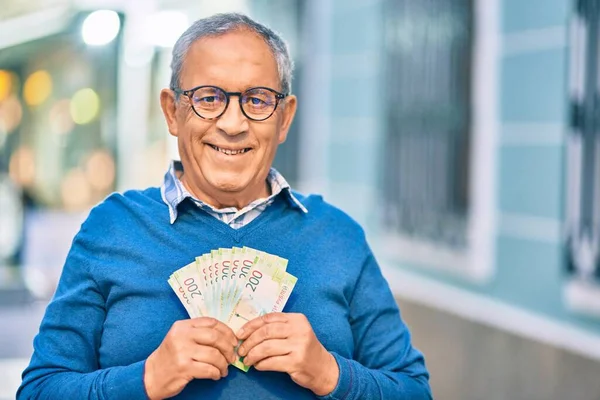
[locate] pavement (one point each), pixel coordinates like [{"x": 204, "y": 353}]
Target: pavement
[{"x": 19, "y": 323}]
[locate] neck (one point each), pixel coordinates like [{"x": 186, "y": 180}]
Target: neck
[{"x": 221, "y": 199}]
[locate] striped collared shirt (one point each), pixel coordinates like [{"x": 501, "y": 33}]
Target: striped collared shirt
[{"x": 173, "y": 192}]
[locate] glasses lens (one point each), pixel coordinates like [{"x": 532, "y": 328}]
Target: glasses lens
[
  {"x": 259, "y": 103},
  {"x": 209, "y": 102}
]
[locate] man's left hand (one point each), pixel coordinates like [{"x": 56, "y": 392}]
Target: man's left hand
[{"x": 286, "y": 342}]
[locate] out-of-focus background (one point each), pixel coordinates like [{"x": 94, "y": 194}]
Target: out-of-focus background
[{"x": 463, "y": 134}]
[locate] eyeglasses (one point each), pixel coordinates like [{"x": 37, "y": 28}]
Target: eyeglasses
[{"x": 210, "y": 102}]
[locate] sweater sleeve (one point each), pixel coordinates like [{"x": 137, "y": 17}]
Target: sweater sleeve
[
  {"x": 65, "y": 362},
  {"x": 385, "y": 365}
]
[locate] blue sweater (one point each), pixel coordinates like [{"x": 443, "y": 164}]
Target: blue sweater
[{"x": 113, "y": 305}]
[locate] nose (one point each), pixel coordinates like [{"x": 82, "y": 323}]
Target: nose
[{"x": 233, "y": 121}]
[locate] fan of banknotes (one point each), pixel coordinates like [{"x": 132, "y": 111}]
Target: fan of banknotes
[{"x": 234, "y": 286}]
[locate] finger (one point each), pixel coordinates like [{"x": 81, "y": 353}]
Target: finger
[
  {"x": 200, "y": 370},
  {"x": 203, "y": 322},
  {"x": 207, "y": 322},
  {"x": 214, "y": 338},
  {"x": 251, "y": 326},
  {"x": 227, "y": 333},
  {"x": 266, "y": 349},
  {"x": 276, "y": 330},
  {"x": 211, "y": 356},
  {"x": 277, "y": 363}
]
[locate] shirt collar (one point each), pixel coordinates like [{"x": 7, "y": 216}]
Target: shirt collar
[{"x": 173, "y": 192}]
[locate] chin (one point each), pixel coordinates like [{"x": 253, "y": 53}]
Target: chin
[
  {"x": 229, "y": 187},
  {"x": 228, "y": 182}
]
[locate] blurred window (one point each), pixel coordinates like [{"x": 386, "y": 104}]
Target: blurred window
[
  {"x": 427, "y": 59},
  {"x": 583, "y": 144}
]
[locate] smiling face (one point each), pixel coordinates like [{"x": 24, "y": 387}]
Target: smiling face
[{"x": 226, "y": 161}]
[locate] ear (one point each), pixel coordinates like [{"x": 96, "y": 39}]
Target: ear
[
  {"x": 287, "y": 116},
  {"x": 169, "y": 109}
]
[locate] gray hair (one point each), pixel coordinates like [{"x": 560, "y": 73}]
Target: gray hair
[{"x": 220, "y": 24}]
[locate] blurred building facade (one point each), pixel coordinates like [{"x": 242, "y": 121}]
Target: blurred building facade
[{"x": 451, "y": 130}]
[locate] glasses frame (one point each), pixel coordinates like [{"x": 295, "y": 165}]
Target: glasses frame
[{"x": 190, "y": 92}]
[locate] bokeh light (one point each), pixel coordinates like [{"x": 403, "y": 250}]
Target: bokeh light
[
  {"x": 6, "y": 84},
  {"x": 11, "y": 113},
  {"x": 100, "y": 27},
  {"x": 60, "y": 119},
  {"x": 75, "y": 190},
  {"x": 84, "y": 106},
  {"x": 21, "y": 168},
  {"x": 38, "y": 88},
  {"x": 100, "y": 170}
]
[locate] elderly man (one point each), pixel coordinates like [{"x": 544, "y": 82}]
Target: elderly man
[{"x": 115, "y": 330}]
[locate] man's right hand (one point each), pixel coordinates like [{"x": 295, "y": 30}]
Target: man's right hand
[{"x": 199, "y": 348}]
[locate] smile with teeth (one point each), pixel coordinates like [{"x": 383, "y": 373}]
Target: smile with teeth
[{"x": 230, "y": 152}]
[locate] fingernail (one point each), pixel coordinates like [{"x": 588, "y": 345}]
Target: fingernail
[
  {"x": 240, "y": 332},
  {"x": 241, "y": 350}
]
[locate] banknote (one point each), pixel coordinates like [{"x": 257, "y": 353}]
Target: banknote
[
  {"x": 233, "y": 285},
  {"x": 266, "y": 290},
  {"x": 189, "y": 281},
  {"x": 187, "y": 304}
]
